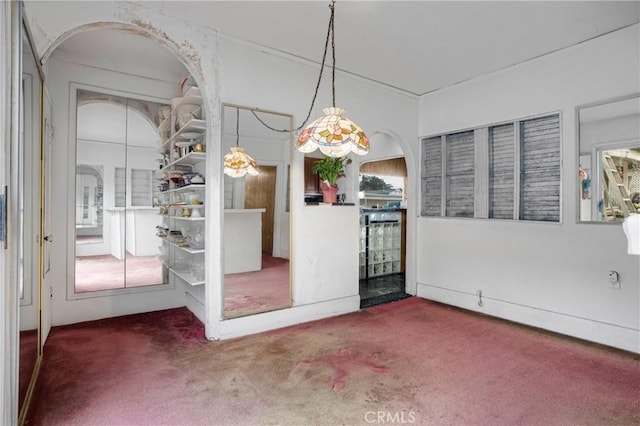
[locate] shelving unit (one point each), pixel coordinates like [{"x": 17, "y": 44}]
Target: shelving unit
[{"x": 182, "y": 261}]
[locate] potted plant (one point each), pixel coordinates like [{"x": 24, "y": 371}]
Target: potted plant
[{"x": 329, "y": 169}]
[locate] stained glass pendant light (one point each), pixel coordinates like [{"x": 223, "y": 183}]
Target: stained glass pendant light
[
  {"x": 334, "y": 134},
  {"x": 237, "y": 163}
]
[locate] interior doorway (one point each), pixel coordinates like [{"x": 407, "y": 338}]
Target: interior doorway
[{"x": 382, "y": 194}]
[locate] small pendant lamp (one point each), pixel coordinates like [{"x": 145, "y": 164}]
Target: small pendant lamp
[
  {"x": 237, "y": 163},
  {"x": 334, "y": 134}
]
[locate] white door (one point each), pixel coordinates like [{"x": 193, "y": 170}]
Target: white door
[{"x": 47, "y": 285}]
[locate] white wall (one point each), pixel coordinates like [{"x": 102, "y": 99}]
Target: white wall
[{"x": 552, "y": 276}]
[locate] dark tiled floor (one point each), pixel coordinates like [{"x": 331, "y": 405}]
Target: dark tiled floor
[{"x": 382, "y": 290}]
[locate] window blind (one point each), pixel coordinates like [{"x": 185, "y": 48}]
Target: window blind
[
  {"x": 120, "y": 187},
  {"x": 141, "y": 187},
  {"x": 540, "y": 169},
  {"x": 460, "y": 174},
  {"x": 501, "y": 171},
  {"x": 431, "y": 176}
]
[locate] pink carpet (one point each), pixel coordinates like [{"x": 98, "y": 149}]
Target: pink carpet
[
  {"x": 411, "y": 361},
  {"x": 27, "y": 360},
  {"x": 265, "y": 290},
  {"x": 106, "y": 272}
]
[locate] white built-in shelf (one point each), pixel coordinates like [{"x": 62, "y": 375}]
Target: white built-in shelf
[
  {"x": 188, "y": 219},
  {"x": 186, "y": 206},
  {"x": 194, "y": 125},
  {"x": 185, "y": 249},
  {"x": 189, "y": 159},
  {"x": 193, "y": 131},
  {"x": 191, "y": 97},
  {"x": 185, "y": 188},
  {"x": 187, "y": 277}
]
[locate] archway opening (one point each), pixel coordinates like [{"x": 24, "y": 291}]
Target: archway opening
[{"x": 382, "y": 193}]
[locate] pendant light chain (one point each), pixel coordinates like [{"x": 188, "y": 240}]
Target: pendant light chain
[
  {"x": 333, "y": 51},
  {"x": 330, "y": 35},
  {"x": 237, "y": 126}
]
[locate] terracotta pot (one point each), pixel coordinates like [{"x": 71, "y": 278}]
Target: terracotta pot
[{"x": 329, "y": 194}]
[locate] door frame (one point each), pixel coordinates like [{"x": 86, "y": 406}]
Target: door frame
[{"x": 10, "y": 82}]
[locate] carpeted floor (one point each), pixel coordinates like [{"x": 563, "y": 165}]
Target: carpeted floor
[
  {"x": 265, "y": 290},
  {"x": 27, "y": 360},
  {"x": 106, "y": 272},
  {"x": 410, "y": 361}
]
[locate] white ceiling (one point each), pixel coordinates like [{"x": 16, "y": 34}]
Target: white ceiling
[{"x": 414, "y": 46}]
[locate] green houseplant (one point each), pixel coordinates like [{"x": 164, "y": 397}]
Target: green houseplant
[{"x": 329, "y": 169}]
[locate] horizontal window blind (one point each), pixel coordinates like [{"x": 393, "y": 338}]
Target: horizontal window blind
[
  {"x": 120, "y": 187},
  {"x": 460, "y": 173},
  {"x": 432, "y": 176},
  {"x": 141, "y": 187},
  {"x": 540, "y": 169},
  {"x": 517, "y": 169},
  {"x": 501, "y": 171}
]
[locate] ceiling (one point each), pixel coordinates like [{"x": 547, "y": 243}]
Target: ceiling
[{"x": 413, "y": 46}]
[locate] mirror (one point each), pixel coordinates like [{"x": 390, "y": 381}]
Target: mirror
[
  {"x": 609, "y": 160},
  {"x": 257, "y": 218},
  {"x": 29, "y": 192},
  {"x": 116, "y": 157}
]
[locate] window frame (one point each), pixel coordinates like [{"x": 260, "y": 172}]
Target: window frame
[{"x": 481, "y": 188}]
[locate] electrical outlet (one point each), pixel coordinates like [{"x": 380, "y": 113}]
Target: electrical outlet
[{"x": 614, "y": 279}]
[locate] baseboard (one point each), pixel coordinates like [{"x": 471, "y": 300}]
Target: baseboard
[
  {"x": 196, "y": 307},
  {"x": 257, "y": 323},
  {"x": 612, "y": 335}
]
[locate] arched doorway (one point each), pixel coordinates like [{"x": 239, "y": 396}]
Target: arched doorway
[
  {"x": 117, "y": 60},
  {"x": 383, "y": 184}
]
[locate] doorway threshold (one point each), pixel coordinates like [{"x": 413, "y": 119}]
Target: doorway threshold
[{"x": 383, "y": 298}]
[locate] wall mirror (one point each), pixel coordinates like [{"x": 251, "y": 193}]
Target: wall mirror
[
  {"x": 257, "y": 217},
  {"x": 29, "y": 152},
  {"x": 115, "y": 221},
  {"x": 609, "y": 160}
]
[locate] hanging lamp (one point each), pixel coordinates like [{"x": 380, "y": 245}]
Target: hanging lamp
[
  {"x": 334, "y": 134},
  {"x": 237, "y": 163}
]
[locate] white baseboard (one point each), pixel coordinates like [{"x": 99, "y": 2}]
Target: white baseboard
[
  {"x": 594, "y": 331},
  {"x": 195, "y": 306},
  {"x": 243, "y": 326}
]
